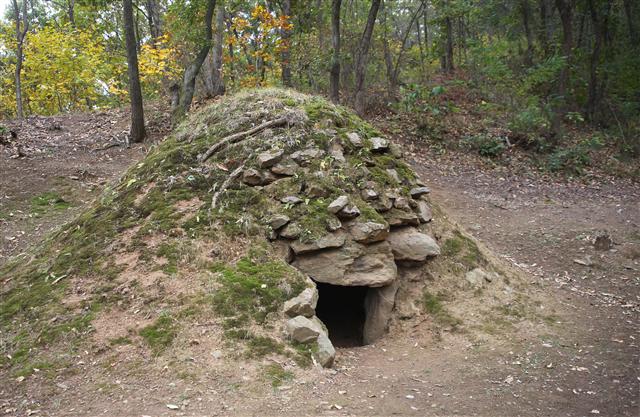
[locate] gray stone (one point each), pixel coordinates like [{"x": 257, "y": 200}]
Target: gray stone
[
  {"x": 337, "y": 152},
  {"x": 316, "y": 191},
  {"x": 369, "y": 232},
  {"x": 326, "y": 353},
  {"x": 338, "y": 204},
  {"x": 349, "y": 212},
  {"x": 269, "y": 158},
  {"x": 397, "y": 218},
  {"x": 394, "y": 175},
  {"x": 332, "y": 240},
  {"x": 401, "y": 203},
  {"x": 252, "y": 177},
  {"x": 291, "y": 199},
  {"x": 286, "y": 168},
  {"x": 302, "y": 330},
  {"x": 302, "y": 305},
  {"x": 383, "y": 204},
  {"x": 395, "y": 150},
  {"x": 369, "y": 194},
  {"x": 378, "y": 304},
  {"x": 277, "y": 221},
  {"x": 478, "y": 277},
  {"x": 305, "y": 156},
  {"x": 333, "y": 224},
  {"x": 409, "y": 244},
  {"x": 418, "y": 191},
  {"x": 353, "y": 264},
  {"x": 424, "y": 212},
  {"x": 379, "y": 144},
  {"x": 355, "y": 139},
  {"x": 291, "y": 231}
]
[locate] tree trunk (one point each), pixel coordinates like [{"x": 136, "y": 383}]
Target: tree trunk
[
  {"x": 334, "y": 81},
  {"x": 137, "y": 132},
  {"x": 448, "y": 57},
  {"x": 599, "y": 24},
  {"x": 363, "y": 55},
  {"x": 286, "y": 41},
  {"x": 21, "y": 33},
  {"x": 153, "y": 18},
  {"x": 403, "y": 46},
  {"x": 190, "y": 74},
  {"x": 565, "y": 8},
  {"x": 71, "y": 12},
  {"x": 633, "y": 34},
  {"x": 543, "y": 30},
  {"x": 218, "y": 79},
  {"x": 526, "y": 21}
]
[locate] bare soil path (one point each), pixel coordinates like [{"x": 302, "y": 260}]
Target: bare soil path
[{"x": 584, "y": 362}]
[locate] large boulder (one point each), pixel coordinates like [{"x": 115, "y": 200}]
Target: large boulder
[
  {"x": 353, "y": 264},
  {"x": 409, "y": 244},
  {"x": 379, "y": 304},
  {"x": 326, "y": 353}
]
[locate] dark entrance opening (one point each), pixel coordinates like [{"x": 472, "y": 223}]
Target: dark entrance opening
[{"x": 341, "y": 309}]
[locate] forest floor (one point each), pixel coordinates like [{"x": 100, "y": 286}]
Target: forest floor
[{"x": 584, "y": 362}]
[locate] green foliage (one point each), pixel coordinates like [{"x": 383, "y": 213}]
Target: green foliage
[
  {"x": 485, "y": 145},
  {"x": 531, "y": 125},
  {"x": 432, "y": 304},
  {"x": 277, "y": 374},
  {"x": 49, "y": 200},
  {"x": 160, "y": 334}
]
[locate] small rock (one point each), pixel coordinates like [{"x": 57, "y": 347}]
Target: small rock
[
  {"x": 476, "y": 277},
  {"x": 316, "y": 191},
  {"x": 355, "y": 139},
  {"x": 302, "y": 305},
  {"x": 397, "y": 217},
  {"x": 396, "y": 151},
  {"x": 173, "y": 407},
  {"x": 424, "y": 212},
  {"x": 291, "y": 231},
  {"x": 216, "y": 354},
  {"x": 291, "y": 199},
  {"x": 326, "y": 353},
  {"x": 305, "y": 156},
  {"x": 338, "y": 204},
  {"x": 333, "y": 224},
  {"x": 369, "y": 232},
  {"x": 337, "y": 152},
  {"x": 418, "y": 191},
  {"x": 349, "y": 212},
  {"x": 269, "y": 158},
  {"x": 394, "y": 175},
  {"x": 277, "y": 221},
  {"x": 252, "y": 177},
  {"x": 369, "y": 194},
  {"x": 401, "y": 203},
  {"x": 379, "y": 144},
  {"x": 603, "y": 242},
  {"x": 286, "y": 168},
  {"x": 408, "y": 244},
  {"x": 302, "y": 329},
  {"x": 332, "y": 240}
]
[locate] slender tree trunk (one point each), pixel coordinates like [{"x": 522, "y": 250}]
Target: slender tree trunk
[
  {"x": 448, "y": 58},
  {"x": 71, "y": 4},
  {"x": 22, "y": 26},
  {"x": 232, "y": 69},
  {"x": 403, "y": 46},
  {"x": 526, "y": 21},
  {"x": 633, "y": 32},
  {"x": 363, "y": 56},
  {"x": 565, "y": 8},
  {"x": 190, "y": 74},
  {"x": 334, "y": 81},
  {"x": 320, "y": 24},
  {"x": 542, "y": 30},
  {"x": 218, "y": 79},
  {"x": 285, "y": 56},
  {"x": 599, "y": 23},
  {"x": 153, "y": 18},
  {"x": 137, "y": 132}
]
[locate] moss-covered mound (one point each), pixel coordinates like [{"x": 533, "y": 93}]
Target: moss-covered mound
[{"x": 202, "y": 233}]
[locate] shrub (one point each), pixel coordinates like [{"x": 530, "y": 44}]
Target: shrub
[{"x": 486, "y": 145}]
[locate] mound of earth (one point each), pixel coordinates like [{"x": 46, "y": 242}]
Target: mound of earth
[{"x": 269, "y": 224}]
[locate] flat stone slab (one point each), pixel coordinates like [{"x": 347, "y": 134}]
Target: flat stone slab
[{"x": 332, "y": 240}]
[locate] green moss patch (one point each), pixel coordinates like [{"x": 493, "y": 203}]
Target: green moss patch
[{"x": 159, "y": 335}]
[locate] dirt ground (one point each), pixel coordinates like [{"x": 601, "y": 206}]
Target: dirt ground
[{"x": 585, "y": 362}]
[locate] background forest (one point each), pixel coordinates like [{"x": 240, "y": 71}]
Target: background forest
[{"x": 553, "y": 77}]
